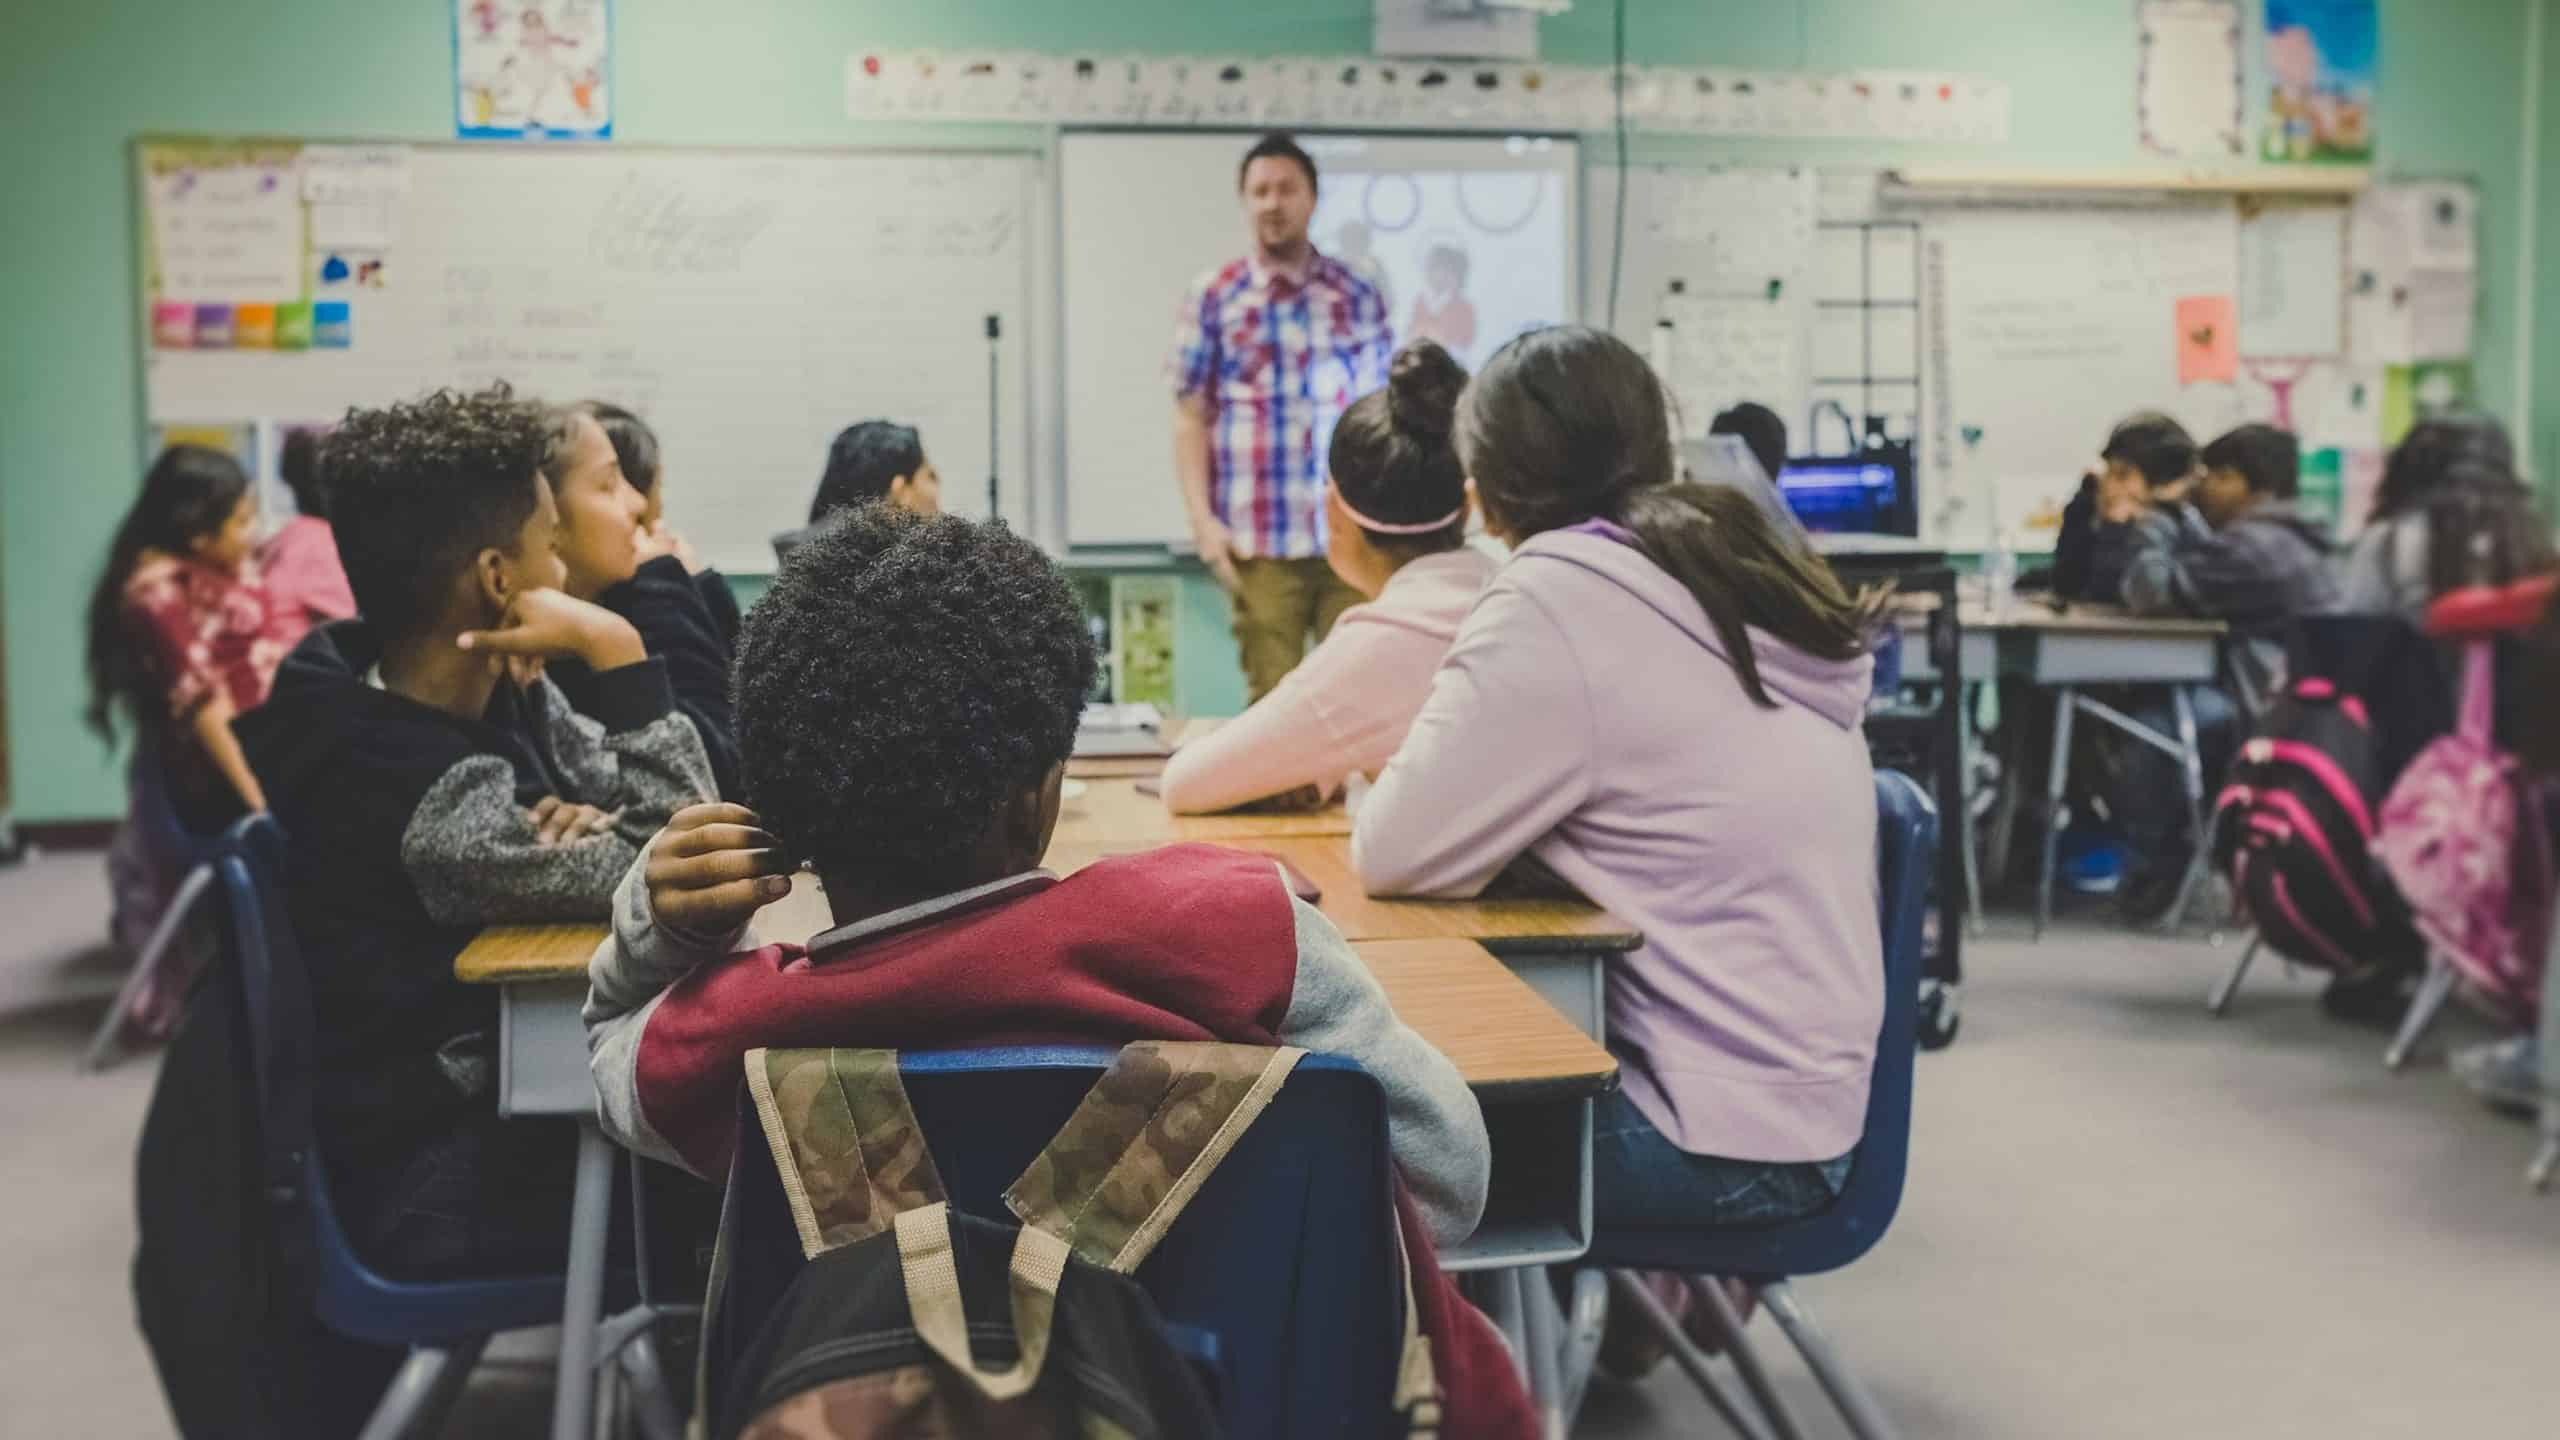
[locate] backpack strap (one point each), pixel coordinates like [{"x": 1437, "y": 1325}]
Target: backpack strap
[
  {"x": 1143, "y": 1141},
  {"x": 932, "y": 1275},
  {"x": 844, "y": 1139},
  {"x": 2479, "y": 691}
]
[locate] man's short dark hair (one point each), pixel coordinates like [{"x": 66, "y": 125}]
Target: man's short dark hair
[
  {"x": 2268, "y": 458},
  {"x": 2154, "y": 444},
  {"x": 903, "y": 678},
  {"x": 862, "y": 462},
  {"x": 1277, "y": 146},
  {"x": 417, "y": 489}
]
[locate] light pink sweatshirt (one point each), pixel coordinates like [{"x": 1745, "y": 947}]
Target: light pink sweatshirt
[
  {"x": 1588, "y": 715},
  {"x": 1347, "y": 706}
]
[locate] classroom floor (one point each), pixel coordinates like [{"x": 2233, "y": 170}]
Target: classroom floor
[{"x": 2125, "y": 1219}]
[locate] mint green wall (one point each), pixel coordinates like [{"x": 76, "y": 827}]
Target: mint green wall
[
  {"x": 2545, "y": 401},
  {"x": 78, "y": 81}
]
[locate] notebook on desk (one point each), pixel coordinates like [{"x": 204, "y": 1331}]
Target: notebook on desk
[{"x": 1121, "y": 731}]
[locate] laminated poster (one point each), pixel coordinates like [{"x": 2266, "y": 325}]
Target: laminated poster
[{"x": 533, "y": 69}]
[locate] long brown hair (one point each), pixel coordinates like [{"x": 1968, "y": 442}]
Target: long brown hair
[{"x": 1569, "y": 424}]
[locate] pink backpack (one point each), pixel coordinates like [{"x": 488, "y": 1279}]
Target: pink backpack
[{"x": 2462, "y": 836}]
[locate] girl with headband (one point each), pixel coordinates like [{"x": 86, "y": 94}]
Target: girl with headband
[{"x": 1396, "y": 512}]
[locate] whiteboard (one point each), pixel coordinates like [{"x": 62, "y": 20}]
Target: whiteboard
[
  {"x": 1144, "y": 214},
  {"x": 2044, "y": 327},
  {"x": 749, "y": 304}
]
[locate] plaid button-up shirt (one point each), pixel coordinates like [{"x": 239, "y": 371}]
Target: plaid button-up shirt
[{"x": 1279, "y": 358}]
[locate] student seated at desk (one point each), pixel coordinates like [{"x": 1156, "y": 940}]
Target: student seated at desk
[
  {"x": 2238, "y": 550},
  {"x": 1397, "y": 505},
  {"x": 2145, "y": 455},
  {"x": 877, "y": 460},
  {"x": 2449, "y": 512},
  {"x": 1660, "y": 698},
  {"x": 636, "y": 449},
  {"x": 614, "y": 560},
  {"x": 430, "y": 782},
  {"x": 908, "y": 694}
]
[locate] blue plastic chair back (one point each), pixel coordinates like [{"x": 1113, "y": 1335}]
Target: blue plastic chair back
[
  {"x": 1285, "y": 1261},
  {"x": 348, "y": 1296},
  {"x": 1906, "y": 849}
]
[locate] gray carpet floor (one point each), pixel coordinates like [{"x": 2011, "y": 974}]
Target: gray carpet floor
[{"x": 2124, "y": 1219}]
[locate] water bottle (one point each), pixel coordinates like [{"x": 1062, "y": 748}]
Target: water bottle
[{"x": 2000, "y": 572}]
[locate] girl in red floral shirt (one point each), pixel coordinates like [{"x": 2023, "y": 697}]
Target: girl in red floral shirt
[{"x": 181, "y": 639}]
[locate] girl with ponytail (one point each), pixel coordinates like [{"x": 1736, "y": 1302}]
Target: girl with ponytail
[
  {"x": 1397, "y": 530},
  {"x": 1659, "y": 697}
]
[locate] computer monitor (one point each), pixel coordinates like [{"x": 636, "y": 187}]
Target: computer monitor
[{"x": 1852, "y": 494}]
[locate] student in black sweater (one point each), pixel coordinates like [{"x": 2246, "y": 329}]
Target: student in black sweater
[
  {"x": 613, "y": 559},
  {"x": 430, "y": 782},
  {"x": 635, "y": 445}
]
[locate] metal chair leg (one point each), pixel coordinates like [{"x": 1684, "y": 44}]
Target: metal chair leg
[
  {"x": 2220, "y": 1000},
  {"x": 415, "y": 1402},
  {"x": 103, "y": 1051},
  {"x": 1865, "y": 1418},
  {"x": 655, "y": 1408},
  {"x": 2546, "y": 1162},
  {"x": 1969, "y": 844},
  {"x": 2066, "y": 703},
  {"x": 1586, "y": 1323},
  {"x": 2432, "y": 993},
  {"x": 1746, "y": 1361},
  {"x": 1542, "y": 1326},
  {"x": 1630, "y": 1287}
]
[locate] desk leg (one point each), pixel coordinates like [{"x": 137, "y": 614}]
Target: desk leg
[
  {"x": 1967, "y": 751},
  {"x": 2066, "y": 703},
  {"x": 582, "y": 1303},
  {"x": 2191, "y": 773}
]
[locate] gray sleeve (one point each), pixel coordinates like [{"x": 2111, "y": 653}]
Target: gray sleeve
[
  {"x": 643, "y": 769},
  {"x": 2155, "y": 582},
  {"x": 2386, "y": 571},
  {"x": 630, "y": 973},
  {"x": 475, "y": 858},
  {"x": 1434, "y": 1126}
]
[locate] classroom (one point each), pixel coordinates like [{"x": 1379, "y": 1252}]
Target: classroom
[{"x": 1598, "y": 718}]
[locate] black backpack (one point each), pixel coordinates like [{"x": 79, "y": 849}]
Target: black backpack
[
  {"x": 2293, "y": 826},
  {"x": 905, "y": 1316}
]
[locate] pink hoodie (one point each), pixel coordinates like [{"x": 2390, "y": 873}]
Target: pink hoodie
[
  {"x": 1347, "y": 706},
  {"x": 1588, "y": 715}
]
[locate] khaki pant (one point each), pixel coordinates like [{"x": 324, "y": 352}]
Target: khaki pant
[{"x": 1277, "y": 604}]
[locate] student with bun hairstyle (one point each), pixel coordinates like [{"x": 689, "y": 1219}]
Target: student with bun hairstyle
[
  {"x": 1659, "y": 697},
  {"x": 1396, "y": 532}
]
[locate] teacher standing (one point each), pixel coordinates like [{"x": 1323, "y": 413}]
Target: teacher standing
[{"x": 1269, "y": 350}]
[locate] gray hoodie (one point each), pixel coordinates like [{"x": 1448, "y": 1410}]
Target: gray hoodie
[{"x": 1588, "y": 715}]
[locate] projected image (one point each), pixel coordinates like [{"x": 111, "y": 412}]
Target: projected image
[{"x": 1467, "y": 258}]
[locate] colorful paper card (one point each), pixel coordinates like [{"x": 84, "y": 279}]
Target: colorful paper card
[
  {"x": 2208, "y": 339},
  {"x": 293, "y": 325},
  {"x": 332, "y": 328},
  {"x": 173, "y": 325},
  {"x": 253, "y": 327},
  {"x": 213, "y": 327}
]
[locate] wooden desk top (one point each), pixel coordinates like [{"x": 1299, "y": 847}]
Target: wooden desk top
[
  {"x": 1112, "y": 813},
  {"x": 1492, "y": 1026},
  {"x": 1501, "y": 923},
  {"x": 1498, "y": 1032}
]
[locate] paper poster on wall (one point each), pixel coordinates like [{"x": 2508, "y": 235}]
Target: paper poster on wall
[
  {"x": 1142, "y": 639},
  {"x": 2330, "y": 404},
  {"x": 1730, "y": 348},
  {"x": 2425, "y": 391},
  {"x": 533, "y": 69},
  {"x": 2321, "y": 61},
  {"x": 2187, "y": 95},
  {"x": 1434, "y": 30},
  {"x": 2208, "y": 342},
  {"x": 225, "y": 226},
  {"x": 2293, "y": 277}
]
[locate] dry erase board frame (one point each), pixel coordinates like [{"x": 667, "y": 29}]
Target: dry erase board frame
[
  {"x": 1151, "y": 448},
  {"x": 739, "y": 474}
]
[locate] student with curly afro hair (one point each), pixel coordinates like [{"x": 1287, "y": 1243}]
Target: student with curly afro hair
[
  {"x": 432, "y": 782},
  {"x": 907, "y": 698}
]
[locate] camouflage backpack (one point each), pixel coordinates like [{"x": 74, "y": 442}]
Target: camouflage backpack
[{"x": 908, "y": 1318}]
